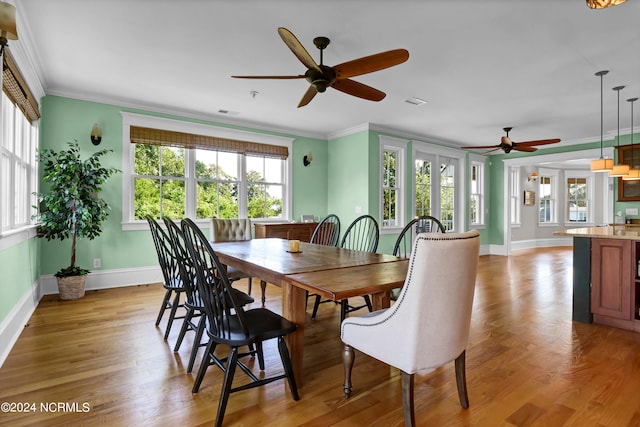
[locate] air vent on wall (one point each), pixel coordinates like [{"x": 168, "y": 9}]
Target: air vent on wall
[{"x": 415, "y": 101}]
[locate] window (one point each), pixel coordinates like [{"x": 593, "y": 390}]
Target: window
[
  {"x": 579, "y": 193},
  {"x": 423, "y": 187},
  {"x": 209, "y": 173},
  {"x": 447, "y": 193},
  {"x": 392, "y": 155},
  {"x": 548, "y": 204},
  {"x": 514, "y": 195},
  {"x": 18, "y": 173},
  {"x": 439, "y": 184},
  {"x": 476, "y": 192}
]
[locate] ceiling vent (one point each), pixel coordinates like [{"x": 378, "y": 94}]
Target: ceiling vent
[{"x": 415, "y": 101}]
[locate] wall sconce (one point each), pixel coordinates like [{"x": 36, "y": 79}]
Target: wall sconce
[
  {"x": 306, "y": 160},
  {"x": 533, "y": 177},
  {"x": 96, "y": 134},
  {"x": 7, "y": 24}
]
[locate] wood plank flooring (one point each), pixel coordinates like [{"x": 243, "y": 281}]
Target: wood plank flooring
[{"x": 528, "y": 364}]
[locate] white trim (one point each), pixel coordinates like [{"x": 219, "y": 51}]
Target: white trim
[
  {"x": 13, "y": 324},
  {"x": 11, "y": 238},
  {"x": 541, "y": 243},
  {"x": 105, "y": 279}
]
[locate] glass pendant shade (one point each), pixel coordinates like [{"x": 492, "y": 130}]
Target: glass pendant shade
[
  {"x": 619, "y": 170},
  {"x": 601, "y": 4},
  {"x": 601, "y": 165}
]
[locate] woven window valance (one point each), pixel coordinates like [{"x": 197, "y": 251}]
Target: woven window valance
[
  {"x": 143, "y": 135},
  {"x": 16, "y": 89}
]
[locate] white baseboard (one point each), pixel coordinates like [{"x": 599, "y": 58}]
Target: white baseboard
[
  {"x": 104, "y": 279},
  {"x": 13, "y": 324},
  {"x": 541, "y": 243}
]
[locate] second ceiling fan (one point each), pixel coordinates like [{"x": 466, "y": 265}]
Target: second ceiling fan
[
  {"x": 321, "y": 76},
  {"x": 506, "y": 144}
]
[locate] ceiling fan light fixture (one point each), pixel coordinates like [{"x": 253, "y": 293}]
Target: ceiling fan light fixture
[{"x": 602, "y": 4}]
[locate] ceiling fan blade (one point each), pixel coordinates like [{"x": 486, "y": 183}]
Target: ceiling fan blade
[
  {"x": 358, "y": 89},
  {"x": 527, "y": 148},
  {"x": 491, "y": 151},
  {"x": 269, "y": 77},
  {"x": 308, "y": 96},
  {"x": 369, "y": 64},
  {"x": 480, "y": 147},
  {"x": 298, "y": 50},
  {"x": 540, "y": 142}
]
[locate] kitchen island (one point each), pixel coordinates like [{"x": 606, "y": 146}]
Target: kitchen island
[{"x": 606, "y": 285}]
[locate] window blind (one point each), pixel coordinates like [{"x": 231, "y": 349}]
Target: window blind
[
  {"x": 150, "y": 136},
  {"x": 16, "y": 89}
]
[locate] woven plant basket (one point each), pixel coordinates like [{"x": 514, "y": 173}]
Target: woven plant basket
[{"x": 71, "y": 287}]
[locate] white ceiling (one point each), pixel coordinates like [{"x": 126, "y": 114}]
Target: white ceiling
[{"x": 481, "y": 65}]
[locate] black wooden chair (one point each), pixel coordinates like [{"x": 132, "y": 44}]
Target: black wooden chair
[
  {"x": 172, "y": 283},
  {"x": 230, "y": 325},
  {"x": 404, "y": 242},
  {"x": 327, "y": 233},
  {"x": 420, "y": 224},
  {"x": 362, "y": 234},
  {"x": 194, "y": 319}
]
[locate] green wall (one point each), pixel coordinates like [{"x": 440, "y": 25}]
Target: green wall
[
  {"x": 65, "y": 119},
  {"x": 20, "y": 270}
]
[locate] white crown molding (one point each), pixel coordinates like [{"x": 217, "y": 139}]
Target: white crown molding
[{"x": 213, "y": 118}]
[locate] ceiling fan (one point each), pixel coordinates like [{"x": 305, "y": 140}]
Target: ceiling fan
[
  {"x": 321, "y": 76},
  {"x": 506, "y": 144}
]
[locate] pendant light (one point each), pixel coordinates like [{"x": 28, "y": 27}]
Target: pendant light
[
  {"x": 602, "y": 164},
  {"x": 634, "y": 174},
  {"x": 620, "y": 169},
  {"x": 601, "y": 4}
]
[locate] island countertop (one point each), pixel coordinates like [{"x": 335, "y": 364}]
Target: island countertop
[{"x": 618, "y": 231}]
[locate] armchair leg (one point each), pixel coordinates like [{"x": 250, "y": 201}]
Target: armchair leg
[
  {"x": 407, "y": 400},
  {"x": 461, "y": 380},
  {"x": 249, "y": 287},
  {"x": 348, "y": 357}
]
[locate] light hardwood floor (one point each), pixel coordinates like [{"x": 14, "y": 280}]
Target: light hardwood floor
[{"x": 528, "y": 364}]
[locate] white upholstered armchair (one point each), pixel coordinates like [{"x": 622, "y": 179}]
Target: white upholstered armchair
[
  {"x": 232, "y": 230},
  {"x": 429, "y": 324}
]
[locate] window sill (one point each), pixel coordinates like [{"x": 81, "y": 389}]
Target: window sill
[
  {"x": 477, "y": 227},
  {"x": 548, "y": 224},
  {"x": 12, "y": 237},
  {"x": 143, "y": 225}
]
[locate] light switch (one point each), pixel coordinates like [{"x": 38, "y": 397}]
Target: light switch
[{"x": 631, "y": 211}]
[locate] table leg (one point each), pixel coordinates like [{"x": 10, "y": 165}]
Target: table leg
[
  {"x": 293, "y": 308},
  {"x": 381, "y": 300}
]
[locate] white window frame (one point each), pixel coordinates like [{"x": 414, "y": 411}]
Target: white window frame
[
  {"x": 514, "y": 197},
  {"x": 128, "y": 157},
  {"x": 590, "y": 197},
  {"x": 477, "y": 162},
  {"x": 399, "y": 147},
  {"x": 554, "y": 175},
  {"x": 17, "y": 150},
  {"x": 435, "y": 153}
]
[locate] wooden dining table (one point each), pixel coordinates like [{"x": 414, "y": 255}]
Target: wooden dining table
[{"x": 333, "y": 273}]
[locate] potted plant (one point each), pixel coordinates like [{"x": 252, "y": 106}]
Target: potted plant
[{"x": 70, "y": 206}]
